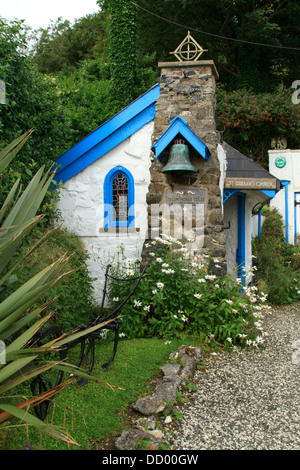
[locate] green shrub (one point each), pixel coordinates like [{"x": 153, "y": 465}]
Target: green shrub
[
  {"x": 178, "y": 296},
  {"x": 277, "y": 262},
  {"x": 73, "y": 302}
]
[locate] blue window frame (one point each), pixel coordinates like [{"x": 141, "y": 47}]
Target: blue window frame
[{"x": 118, "y": 198}]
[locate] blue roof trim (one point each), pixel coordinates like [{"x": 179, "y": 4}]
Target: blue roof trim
[
  {"x": 179, "y": 126},
  {"x": 269, "y": 192},
  {"x": 128, "y": 121}
]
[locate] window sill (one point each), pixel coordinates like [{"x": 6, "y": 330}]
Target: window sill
[{"x": 112, "y": 230}]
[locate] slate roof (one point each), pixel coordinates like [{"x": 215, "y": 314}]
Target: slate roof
[{"x": 240, "y": 166}]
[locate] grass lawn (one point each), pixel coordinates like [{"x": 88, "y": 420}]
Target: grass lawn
[{"x": 93, "y": 413}]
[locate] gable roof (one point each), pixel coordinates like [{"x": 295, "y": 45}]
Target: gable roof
[
  {"x": 108, "y": 135},
  {"x": 178, "y": 125}
]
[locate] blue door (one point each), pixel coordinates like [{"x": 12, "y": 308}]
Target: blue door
[
  {"x": 297, "y": 218},
  {"x": 241, "y": 249}
]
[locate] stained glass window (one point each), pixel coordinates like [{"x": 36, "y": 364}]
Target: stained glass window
[{"x": 120, "y": 197}]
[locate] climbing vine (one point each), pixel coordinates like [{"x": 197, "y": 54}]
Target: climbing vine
[{"x": 122, "y": 49}]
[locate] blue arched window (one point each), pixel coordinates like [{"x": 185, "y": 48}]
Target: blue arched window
[{"x": 118, "y": 198}]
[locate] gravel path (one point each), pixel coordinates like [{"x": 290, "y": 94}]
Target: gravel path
[{"x": 249, "y": 400}]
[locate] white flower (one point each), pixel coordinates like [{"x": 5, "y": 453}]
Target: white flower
[
  {"x": 198, "y": 296},
  {"x": 115, "y": 299},
  {"x": 201, "y": 280},
  {"x": 229, "y": 340},
  {"x": 175, "y": 316},
  {"x": 259, "y": 339},
  {"x": 130, "y": 272},
  {"x": 234, "y": 311},
  {"x": 159, "y": 260},
  {"x": 217, "y": 286},
  {"x": 229, "y": 301},
  {"x": 152, "y": 254},
  {"x": 154, "y": 291},
  {"x": 184, "y": 318},
  {"x": 168, "y": 271},
  {"x": 121, "y": 335},
  {"x": 137, "y": 303},
  {"x": 160, "y": 285},
  {"x": 165, "y": 265},
  {"x": 147, "y": 308}
]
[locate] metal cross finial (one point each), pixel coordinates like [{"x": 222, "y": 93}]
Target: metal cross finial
[{"x": 188, "y": 49}]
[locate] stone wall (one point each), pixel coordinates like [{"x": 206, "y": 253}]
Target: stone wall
[{"x": 188, "y": 90}]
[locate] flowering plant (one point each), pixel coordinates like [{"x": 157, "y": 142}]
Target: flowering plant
[{"x": 178, "y": 295}]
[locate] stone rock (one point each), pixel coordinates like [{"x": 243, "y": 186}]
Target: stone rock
[
  {"x": 187, "y": 358},
  {"x": 167, "y": 388},
  {"x": 130, "y": 437},
  {"x": 152, "y": 404},
  {"x": 168, "y": 420},
  {"x": 296, "y": 344},
  {"x": 147, "y": 423},
  {"x": 170, "y": 370}
]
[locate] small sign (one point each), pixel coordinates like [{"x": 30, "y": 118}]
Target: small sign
[
  {"x": 251, "y": 183},
  {"x": 280, "y": 162},
  {"x": 184, "y": 196}
]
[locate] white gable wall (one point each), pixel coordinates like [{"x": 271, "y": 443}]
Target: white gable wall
[
  {"x": 290, "y": 172},
  {"x": 82, "y": 205}
]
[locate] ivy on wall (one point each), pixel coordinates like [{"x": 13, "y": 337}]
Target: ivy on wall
[{"x": 122, "y": 50}]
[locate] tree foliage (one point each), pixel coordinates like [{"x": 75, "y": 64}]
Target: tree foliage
[
  {"x": 250, "y": 121},
  {"x": 63, "y": 45},
  {"x": 31, "y": 102},
  {"x": 241, "y": 62}
]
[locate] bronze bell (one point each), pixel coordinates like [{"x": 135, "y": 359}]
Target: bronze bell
[{"x": 179, "y": 160}]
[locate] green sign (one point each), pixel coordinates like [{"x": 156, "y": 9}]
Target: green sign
[{"x": 280, "y": 162}]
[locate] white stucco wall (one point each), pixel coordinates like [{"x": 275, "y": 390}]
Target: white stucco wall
[
  {"x": 231, "y": 221},
  {"x": 290, "y": 172},
  {"x": 82, "y": 206}
]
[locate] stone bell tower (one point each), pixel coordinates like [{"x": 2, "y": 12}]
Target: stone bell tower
[{"x": 185, "y": 110}]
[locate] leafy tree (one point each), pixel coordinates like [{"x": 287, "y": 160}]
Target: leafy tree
[
  {"x": 250, "y": 121},
  {"x": 62, "y": 45},
  {"x": 31, "y": 102},
  {"x": 241, "y": 63}
]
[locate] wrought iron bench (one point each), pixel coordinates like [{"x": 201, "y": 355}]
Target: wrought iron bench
[{"x": 85, "y": 343}]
